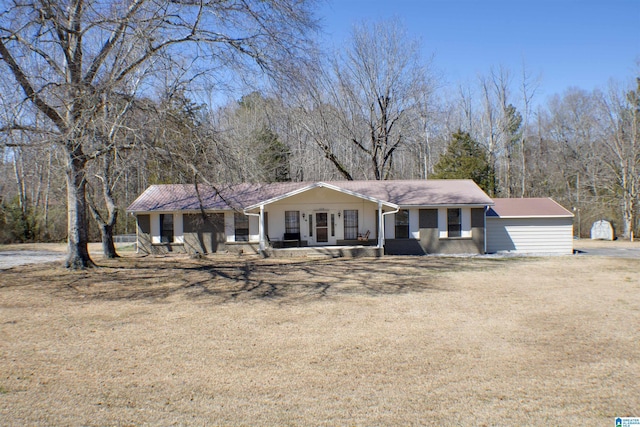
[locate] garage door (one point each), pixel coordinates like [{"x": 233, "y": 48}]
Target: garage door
[{"x": 530, "y": 235}]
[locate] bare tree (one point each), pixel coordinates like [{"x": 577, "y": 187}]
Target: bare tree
[
  {"x": 367, "y": 95},
  {"x": 66, "y": 55},
  {"x": 528, "y": 88},
  {"x": 621, "y": 109}
]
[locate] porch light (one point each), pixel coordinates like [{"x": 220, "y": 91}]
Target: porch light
[
  {"x": 304, "y": 215},
  {"x": 338, "y": 214}
]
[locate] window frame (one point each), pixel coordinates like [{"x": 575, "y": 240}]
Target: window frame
[
  {"x": 402, "y": 225},
  {"x": 350, "y": 224},
  {"x": 454, "y": 228},
  {"x": 167, "y": 228},
  {"x": 292, "y": 222},
  {"x": 241, "y": 233}
]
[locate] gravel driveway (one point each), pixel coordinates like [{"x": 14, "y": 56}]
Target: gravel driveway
[
  {"x": 10, "y": 259},
  {"x": 611, "y": 252}
]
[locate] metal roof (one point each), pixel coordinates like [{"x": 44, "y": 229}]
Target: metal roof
[
  {"x": 527, "y": 208},
  {"x": 403, "y": 193}
]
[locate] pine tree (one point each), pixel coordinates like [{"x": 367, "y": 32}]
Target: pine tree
[{"x": 466, "y": 159}]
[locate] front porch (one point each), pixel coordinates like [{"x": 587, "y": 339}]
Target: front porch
[{"x": 352, "y": 251}]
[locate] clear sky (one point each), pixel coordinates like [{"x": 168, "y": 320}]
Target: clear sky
[{"x": 579, "y": 43}]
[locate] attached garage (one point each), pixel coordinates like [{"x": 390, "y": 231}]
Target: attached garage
[{"x": 529, "y": 226}]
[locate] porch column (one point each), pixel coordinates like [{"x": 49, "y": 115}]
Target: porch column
[
  {"x": 380, "y": 226},
  {"x": 261, "y": 228}
]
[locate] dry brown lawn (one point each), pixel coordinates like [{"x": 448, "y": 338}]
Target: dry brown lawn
[{"x": 391, "y": 341}]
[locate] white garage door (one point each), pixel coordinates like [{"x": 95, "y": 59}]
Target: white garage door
[{"x": 530, "y": 235}]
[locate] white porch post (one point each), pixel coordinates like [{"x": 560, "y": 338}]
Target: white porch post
[
  {"x": 380, "y": 226},
  {"x": 261, "y": 228}
]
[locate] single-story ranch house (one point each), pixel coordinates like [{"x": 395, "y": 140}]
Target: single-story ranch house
[{"x": 415, "y": 216}]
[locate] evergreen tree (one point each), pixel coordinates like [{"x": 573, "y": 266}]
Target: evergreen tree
[
  {"x": 466, "y": 159},
  {"x": 273, "y": 157}
]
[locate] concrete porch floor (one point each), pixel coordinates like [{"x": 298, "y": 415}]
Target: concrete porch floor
[{"x": 325, "y": 252}]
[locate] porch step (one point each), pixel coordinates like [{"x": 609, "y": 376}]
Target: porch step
[
  {"x": 326, "y": 252},
  {"x": 319, "y": 256}
]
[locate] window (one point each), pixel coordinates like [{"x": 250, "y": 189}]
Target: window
[
  {"x": 333, "y": 225},
  {"x": 402, "y": 224},
  {"x": 454, "y": 223},
  {"x": 292, "y": 222},
  {"x": 241, "y": 225},
  {"x": 166, "y": 228},
  {"x": 350, "y": 224}
]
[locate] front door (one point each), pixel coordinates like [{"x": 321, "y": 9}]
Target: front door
[
  {"x": 322, "y": 227},
  {"x": 323, "y": 230}
]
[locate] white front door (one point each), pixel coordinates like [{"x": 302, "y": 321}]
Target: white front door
[{"x": 324, "y": 226}]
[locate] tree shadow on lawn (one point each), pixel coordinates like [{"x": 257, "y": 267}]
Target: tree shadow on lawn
[{"x": 222, "y": 280}]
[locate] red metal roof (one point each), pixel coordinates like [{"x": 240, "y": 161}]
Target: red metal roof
[
  {"x": 177, "y": 197},
  {"x": 526, "y": 208}
]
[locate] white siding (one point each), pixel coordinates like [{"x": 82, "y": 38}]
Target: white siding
[
  {"x": 155, "y": 227},
  {"x": 178, "y": 228},
  {"x": 254, "y": 229},
  {"x": 443, "y": 220},
  {"x": 229, "y": 227},
  {"x": 414, "y": 223},
  {"x": 530, "y": 235},
  {"x": 443, "y": 232},
  {"x": 465, "y": 214}
]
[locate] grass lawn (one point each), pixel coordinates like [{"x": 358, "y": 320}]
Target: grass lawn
[{"x": 391, "y": 341}]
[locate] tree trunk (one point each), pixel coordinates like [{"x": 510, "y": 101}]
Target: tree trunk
[
  {"x": 108, "y": 247},
  {"x": 78, "y": 257}
]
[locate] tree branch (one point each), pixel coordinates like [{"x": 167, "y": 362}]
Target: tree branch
[{"x": 26, "y": 86}]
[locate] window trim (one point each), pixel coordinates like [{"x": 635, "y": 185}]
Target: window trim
[
  {"x": 292, "y": 222},
  {"x": 401, "y": 225},
  {"x": 350, "y": 224},
  {"x": 164, "y": 231},
  {"x": 239, "y": 232},
  {"x": 456, "y": 227}
]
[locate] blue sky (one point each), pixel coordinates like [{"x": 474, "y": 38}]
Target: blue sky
[{"x": 580, "y": 43}]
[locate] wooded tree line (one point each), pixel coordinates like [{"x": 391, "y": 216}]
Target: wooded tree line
[{"x": 97, "y": 102}]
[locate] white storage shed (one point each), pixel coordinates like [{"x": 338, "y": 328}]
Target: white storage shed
[{"x": 529, "y": 226}]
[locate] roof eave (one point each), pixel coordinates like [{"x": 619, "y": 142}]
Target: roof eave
[
  {"x": 319, "y": 185},
  {"x": 530, "y": 216},
  {"x": 447, "y": 205}
]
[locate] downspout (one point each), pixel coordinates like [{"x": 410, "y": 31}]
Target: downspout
[
  {"x": 381, "y": 223},
  {"x": 137, "y": 232},
  {"x": 486, "y": 209},
  {"x": 261, "y": 245}
]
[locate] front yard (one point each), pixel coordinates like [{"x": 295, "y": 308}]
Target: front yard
[{"x": 390, "y": 341}]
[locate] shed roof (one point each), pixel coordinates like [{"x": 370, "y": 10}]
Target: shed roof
[
  {"x": 184, "y": 197},
  {"x": 527, "y": 208}
]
